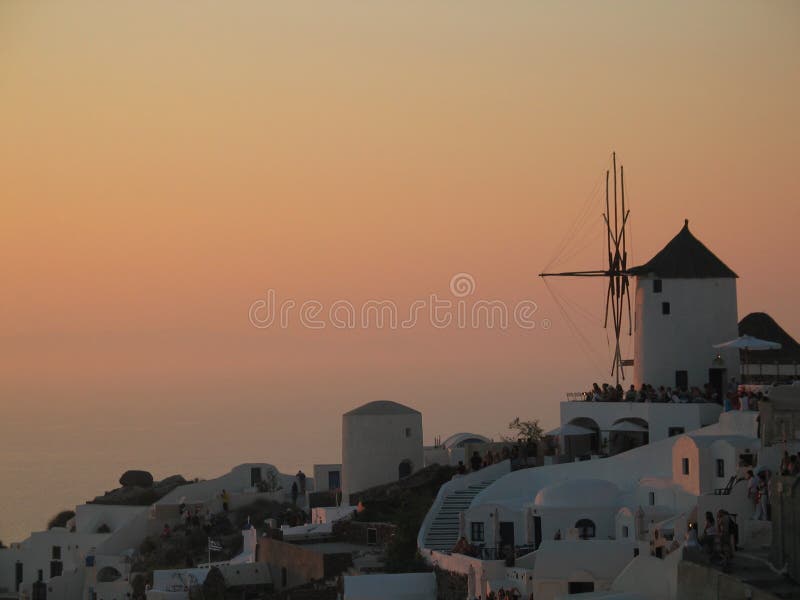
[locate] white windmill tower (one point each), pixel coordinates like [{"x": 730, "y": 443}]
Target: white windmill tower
[{"x": 685, "y": 303}]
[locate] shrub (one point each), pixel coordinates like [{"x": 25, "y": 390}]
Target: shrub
[{"x": 61, "y": 519}]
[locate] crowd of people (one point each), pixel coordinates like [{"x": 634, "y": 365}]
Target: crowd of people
[
  {"x": 648, "y": 393},
  {"x": 517, "y": 453},
  {"x": 192, "y": 518},
  {"x": 734, "y": 399},
  {"x": 719, "y": 537}
]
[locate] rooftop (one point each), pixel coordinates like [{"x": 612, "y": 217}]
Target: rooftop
[
  {"x": 760, "y": 325},
  {"x": 684, "y": 257},
  {"x": 382, "y": 407}
]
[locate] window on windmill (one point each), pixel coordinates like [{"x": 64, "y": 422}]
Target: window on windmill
[
  {"x": 665, "y": 309},
  {"x": 720, "y": 467},
  {"x": 625, "y": 531},
  {"x": 651, "y": 498},
  {"x": 476, "y": 531},
  {"x": 408, "y": 432},
  {"x": 685, "y": 466},
  {"x": 656, "y": 286}
]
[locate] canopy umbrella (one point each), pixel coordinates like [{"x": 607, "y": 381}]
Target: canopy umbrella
[
  {"x": 749, "y": 343},
  {"x": 629, "y": 427}
]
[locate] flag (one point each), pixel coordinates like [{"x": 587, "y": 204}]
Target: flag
[{"x": 214, "y": 546}]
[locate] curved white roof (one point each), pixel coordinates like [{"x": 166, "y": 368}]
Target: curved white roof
[
  {"x": 382, "y": 407},
  {"x": 459, "y": 438},
  {"x": 579, "y": 492}
]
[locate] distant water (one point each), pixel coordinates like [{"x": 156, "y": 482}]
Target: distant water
[
  {"x": 52, "y": 464},
  {"x": 62, "y": 446}
]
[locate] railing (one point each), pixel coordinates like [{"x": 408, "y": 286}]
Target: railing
[{"x": 587, "y": 397}]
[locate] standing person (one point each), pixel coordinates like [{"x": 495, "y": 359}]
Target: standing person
[
  {"x": 752, "y": 489},
  {"x": 762, "y": 503},
  {"x": 630, "y": 396},
  {"x": 475, "y": 461},
  {"x": 709, "y": 533},
  {"x": 294, "y": 492},
  {"x": 724, "y": 537},
  {"x": 785, "y": 463},
  {"x": 301, "y": 479}
]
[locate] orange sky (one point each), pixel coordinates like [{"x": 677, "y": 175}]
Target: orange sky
[{"x": 163, "y": 164}]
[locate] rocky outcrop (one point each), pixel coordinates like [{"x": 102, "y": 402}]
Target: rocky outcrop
[
  {"x": 136, "y": 478},
  {"x": 139, "y": 495}
]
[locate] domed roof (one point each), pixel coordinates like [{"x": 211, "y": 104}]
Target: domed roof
[
  {"x": 382, "y": 407},
  {"x": 579, "y": 492},
  {"x": 458, "y": 439}
]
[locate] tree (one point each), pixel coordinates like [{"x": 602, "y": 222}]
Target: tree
[{"x": 529, "y": 432}]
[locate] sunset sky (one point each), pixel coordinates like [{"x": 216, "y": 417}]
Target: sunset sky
[{"x": 164, "y": 164}]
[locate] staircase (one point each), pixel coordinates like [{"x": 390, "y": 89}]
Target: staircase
[{"x": 443, "y": 532}]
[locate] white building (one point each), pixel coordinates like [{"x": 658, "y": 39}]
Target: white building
[
  {"x": 655, "y": 420},
  {"x": 381, "y": 443},
  {"x": 607, "y": 525},
  {"x": 91, "y": 556},
  {"x": 685, "y": 303},
  {"x": 452, "y": 450}
]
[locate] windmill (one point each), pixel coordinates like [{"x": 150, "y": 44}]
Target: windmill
[{"x": 618, "y": 299}]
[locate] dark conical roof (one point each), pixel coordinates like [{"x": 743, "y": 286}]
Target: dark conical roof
[
  {"x": 685, "y": 257},
  {"x": 760, "y": 325}
]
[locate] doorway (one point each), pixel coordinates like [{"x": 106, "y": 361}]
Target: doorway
[
  {"x": 506, "y": 534},
  {"x": 404, "y": 470},
  {"x": 716, "y": 379}
]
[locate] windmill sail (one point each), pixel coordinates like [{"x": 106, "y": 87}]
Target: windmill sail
[{"x": 618, "y": 300}]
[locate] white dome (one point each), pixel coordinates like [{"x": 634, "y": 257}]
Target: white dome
[
  {"x": 578, "y": 493},
  {"x": 458, "y": 439}
]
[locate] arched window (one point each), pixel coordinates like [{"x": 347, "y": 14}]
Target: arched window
[
  {"x": 108, "y": 574},
  {"x": 404, "y": 470},
  {"x": 585, "y": 529}
]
